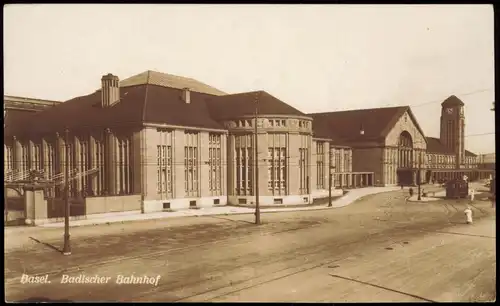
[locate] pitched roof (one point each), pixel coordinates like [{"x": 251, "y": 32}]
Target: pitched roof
[
  {"x": 452, "y": 101},
  {"x": 169, "y": 80},
  {"x": 434, "y": 145},
  {"x": 16, "y": 120},
  {"x": 28, "y": 104},
  {"x": 469, "y": 153},
  {"x": 344, "y": 127},
  {"x": 138, "y": 104},
  {"x": 241, "y": 104}
]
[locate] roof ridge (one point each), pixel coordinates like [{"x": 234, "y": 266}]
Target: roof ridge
[{"x": 357, "y": 110}]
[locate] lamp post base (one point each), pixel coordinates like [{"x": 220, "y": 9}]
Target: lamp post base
[{"x": 67, "y": 247}]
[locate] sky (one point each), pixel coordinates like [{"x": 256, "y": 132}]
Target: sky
[{"x": 316, "y": 58}]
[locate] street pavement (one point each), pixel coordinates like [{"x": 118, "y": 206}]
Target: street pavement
[
  {"x": 345, "y": 200},
  {"x": 378, "y": 249}
]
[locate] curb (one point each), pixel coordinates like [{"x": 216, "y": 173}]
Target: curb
[{"x": 275, "y": 210}]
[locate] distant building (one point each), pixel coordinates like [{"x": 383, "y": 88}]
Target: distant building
[
  {"x": 177, "y": 142},
  {"x": 487, "y": 161}
]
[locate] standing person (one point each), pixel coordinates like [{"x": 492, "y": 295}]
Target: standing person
[
  {"x": 468, "y": 214},
  {"x": 472, "y": 193},
  {"x": 411, "y": 192}
]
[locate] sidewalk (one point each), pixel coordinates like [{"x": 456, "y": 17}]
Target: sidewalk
[{"x": 347, "y": 199}]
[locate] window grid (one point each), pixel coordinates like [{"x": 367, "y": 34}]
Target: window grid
[
  {"x": 100, "y": 180},
  {"x": 9, "y": 158},
  {"x": 124, "y": 167},
  {"x": 164, "y": 171},
  {"x": 191, "y": 164},
  {"x": 277, "y": 170},
  {"x": 36, "y": 157},
  {"x": 215, "y": 164},
  {"x": 244, "y": 164},
  {"x": 83, "y": 164},
  {"x": 303, "y": 189},
  {"x": 320, "y": 165},
  {"x": 24, "y": 158}
]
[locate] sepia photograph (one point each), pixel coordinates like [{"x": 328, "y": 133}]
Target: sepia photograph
[{"x": 249, "y": 153}]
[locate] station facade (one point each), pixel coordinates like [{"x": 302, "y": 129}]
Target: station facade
[{"x": 168, "y": 142}]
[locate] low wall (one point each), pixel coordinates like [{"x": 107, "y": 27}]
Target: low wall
[
  {"x": 112, "y": 204},
  {"x": 183, "y": 203},
  {"x": 323, "y": 193}
]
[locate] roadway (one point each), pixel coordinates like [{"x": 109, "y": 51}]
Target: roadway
[{"x": 374, "y": 250}]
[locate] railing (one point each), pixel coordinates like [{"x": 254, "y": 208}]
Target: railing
[
  {"x": 16, "y": 175},
  {"x": 74, "y": 174}
]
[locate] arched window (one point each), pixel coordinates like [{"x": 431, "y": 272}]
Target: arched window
[{"x": 405, "y": 150}]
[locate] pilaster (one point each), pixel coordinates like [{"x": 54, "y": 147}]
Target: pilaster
[
  {"x": 110, "y": 149},
  {"x": 293, "y": 178},
  {"x": 231, "y": 165},
  {"x": 178, "y": 162},
  {"x": 203, "y": 164},
  {"x": 137, "y": 159},
  {"x": 262, "y": 162}
]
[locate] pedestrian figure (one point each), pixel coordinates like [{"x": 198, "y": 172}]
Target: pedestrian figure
[
  {"x": 411, "y": 192},
  {"x": 472, "y": 193},
  {"x": 468, "y": 214}
]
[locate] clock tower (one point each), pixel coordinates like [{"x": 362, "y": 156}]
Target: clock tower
[{"x": 452, "y": 127}]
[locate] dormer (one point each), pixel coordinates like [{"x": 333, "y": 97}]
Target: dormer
[{"x": 186, "y": 95}]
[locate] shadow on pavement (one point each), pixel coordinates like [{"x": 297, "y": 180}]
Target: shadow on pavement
[
  {"x": 47, "y": 244},
  {"x": 228, "y": 219}
]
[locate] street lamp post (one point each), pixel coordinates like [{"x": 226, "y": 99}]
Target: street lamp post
[
  {"x": 67, "y": 247},
  {"x": 330, "y": 176},
  {"x": 419, "y": 179},
  {"x": 256, "y": 163}
]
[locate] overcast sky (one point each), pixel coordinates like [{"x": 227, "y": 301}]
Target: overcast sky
[{"x": 313, "y": 57}]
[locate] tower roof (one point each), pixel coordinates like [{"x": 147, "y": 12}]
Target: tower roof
[{"x": 452, "y": 101}]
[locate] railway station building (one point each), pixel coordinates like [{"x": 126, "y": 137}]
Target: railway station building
[{"x": 155, "y": 141}]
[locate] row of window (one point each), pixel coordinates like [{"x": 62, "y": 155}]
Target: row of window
[{"x": 82, "y": 161}]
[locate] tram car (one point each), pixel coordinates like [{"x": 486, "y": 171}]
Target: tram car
[{"x": 457, "y": 189}]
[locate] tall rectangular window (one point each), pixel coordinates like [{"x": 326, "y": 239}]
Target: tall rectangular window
[
  {"x": 24, "y": 158},
  {"x": 277, "y": 164},
  {"x": 338, "y": 161},
  {"x": 124, "y": 165},
  {"x": 51, "y": 160},
  {"x": 36, "y": 157},
  {"x": 99, "y": 163},
  {"x": 277, "y": 170},
  {"x": 244, "y": 164},
  {"x": 215, "y": 163},
  {"x": 9, "y": 158},
  {"x": 346, "y": 161},
  {"x": 83, "y": 162},
  {"x": 165, "y": 184},
  {"x": 191, "y": 163},
  {"x": 320, "y": 165},
  {"x": 303, "y": 188}
]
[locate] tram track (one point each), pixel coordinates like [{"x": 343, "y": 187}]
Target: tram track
[
  {"x": 322, "y": 255},
  {"x": 149, "y": 255}
]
